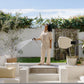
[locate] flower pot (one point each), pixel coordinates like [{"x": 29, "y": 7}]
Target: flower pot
[
  {"x": 78, "y": 64},
  {"x": 11, "y": 60},
  {"x": 71, "y": 60}
]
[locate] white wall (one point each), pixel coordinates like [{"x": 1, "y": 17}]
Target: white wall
[
  {"x": 81, "y": 36},
  {"x": 32, "y": 49}
]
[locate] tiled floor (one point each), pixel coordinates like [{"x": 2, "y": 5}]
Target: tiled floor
[{"x": 36, "y": 64}]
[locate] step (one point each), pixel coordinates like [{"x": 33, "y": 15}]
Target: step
[
  {"x": 80, "y": 82},
  {"x": 43, "y": 69},
  {"x": 45, "y": 82},
  {"x": 43, "y": 77},
  {"x": 81, "y": 78},
  {"x": 10, "y": 80}
]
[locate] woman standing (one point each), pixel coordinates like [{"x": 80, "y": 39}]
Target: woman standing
[{"x": 46, "y": 44}]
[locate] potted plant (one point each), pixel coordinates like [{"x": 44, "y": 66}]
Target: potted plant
[
  {"x": 71, "y": 60},
  {"x": 12, "y": 32},
  {"x": 11, "y": 27},
  {"x": 9, "y": 44}
]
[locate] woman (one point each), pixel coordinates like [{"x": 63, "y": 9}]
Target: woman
[{"x": 46, "y": 44}]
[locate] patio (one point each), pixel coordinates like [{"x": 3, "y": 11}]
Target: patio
[
  {"x": 13, "y": 34},
  {"x": 55, "y": 73}
]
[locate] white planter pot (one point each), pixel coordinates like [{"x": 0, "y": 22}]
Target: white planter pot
[
  {"x": 82, "y": 62},
  {"x": 71, "y": 60}
]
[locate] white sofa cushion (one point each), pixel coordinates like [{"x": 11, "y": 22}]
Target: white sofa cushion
[
  {"x": 7, "y": 72},
  {"x": 10, "y": 80},
  {"x": 16, "y": 65}
]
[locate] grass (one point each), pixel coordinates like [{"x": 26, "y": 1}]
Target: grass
[{"x": 37, "y": 60}]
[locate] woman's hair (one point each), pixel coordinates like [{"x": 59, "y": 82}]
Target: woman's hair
[{"x": 49, "y": 27}]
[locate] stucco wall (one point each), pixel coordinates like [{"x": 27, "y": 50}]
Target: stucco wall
[{"x": 33, "y": 49}]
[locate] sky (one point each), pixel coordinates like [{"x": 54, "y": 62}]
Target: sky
[{"x": 47, "y": 8}]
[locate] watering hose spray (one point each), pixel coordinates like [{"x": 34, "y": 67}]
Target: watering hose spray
[{"x": 36, "y": 42}]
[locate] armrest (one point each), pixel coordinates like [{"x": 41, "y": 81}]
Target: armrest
[
  {"x": 63, "y": 74},
  {"x": 24, "y": 75}
]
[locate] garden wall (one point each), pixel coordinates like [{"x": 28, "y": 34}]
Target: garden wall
[
  {"x": 62, "y": 53},
  {"x": 33, "y": 49}
]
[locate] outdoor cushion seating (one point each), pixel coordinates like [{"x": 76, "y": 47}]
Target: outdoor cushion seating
[
  {"x": 18, "y": 75},
  {"x": 15, "y": 65},
  {"x": 7, "y": 72}
]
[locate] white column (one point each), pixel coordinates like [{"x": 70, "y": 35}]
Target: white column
[
  {"x": 63, "y": 77},
  {"x": 24, "y": 75}
]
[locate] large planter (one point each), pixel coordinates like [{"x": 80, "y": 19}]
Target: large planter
[
  {"x": 71, "y": 60},
  {"x": 82, "y": 62},
  {"x": 11, "y": 60}
]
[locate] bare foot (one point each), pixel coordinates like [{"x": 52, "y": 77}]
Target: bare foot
[
  {"x": 48, "y": 64},
  {"x": 39, "y": 64}
]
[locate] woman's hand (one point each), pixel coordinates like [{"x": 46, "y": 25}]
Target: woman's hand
[{"x": 34, "y": 39}]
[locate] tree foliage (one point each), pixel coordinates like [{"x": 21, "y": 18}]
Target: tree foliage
[
  {"x": 76, "y": 22},
  {"x": 71, "y": 23},
  {"x": 9, "y": 22}
]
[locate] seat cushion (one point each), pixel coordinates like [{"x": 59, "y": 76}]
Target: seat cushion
[
  {"x": 15, "y": 65},
  {"x": 10, "y": 80},
  {"x": 7, "y": 72}
]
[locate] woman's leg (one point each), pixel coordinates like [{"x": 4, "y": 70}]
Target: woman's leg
[
  {"x": 48, "y": 56},
  {"x": 42, "y": 60}
]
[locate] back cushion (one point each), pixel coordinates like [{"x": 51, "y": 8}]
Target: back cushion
[
  {"x": 7, "y": 72},
  {"x": 15, "y": 65},
  {"x": 2, "y": 60}
]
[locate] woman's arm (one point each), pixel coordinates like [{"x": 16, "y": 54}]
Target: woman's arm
[
  {"x": 50, "y": 36},
  {"x": 38, "y": 39},
  {"x": 50, "y": 43}
]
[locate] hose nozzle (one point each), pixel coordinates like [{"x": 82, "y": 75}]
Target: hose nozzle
[{"x": 34, "y": 39}]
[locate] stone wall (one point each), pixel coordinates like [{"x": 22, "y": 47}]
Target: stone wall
[{"x": 72, "y": 34}]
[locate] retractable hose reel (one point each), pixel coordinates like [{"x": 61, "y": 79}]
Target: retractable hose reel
[{"x": 66, "y": 43}]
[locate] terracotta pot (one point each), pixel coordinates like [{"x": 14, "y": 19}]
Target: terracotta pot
[
  {"x": 11, "y": 60},
  {"x": 78, "y": 64}
]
